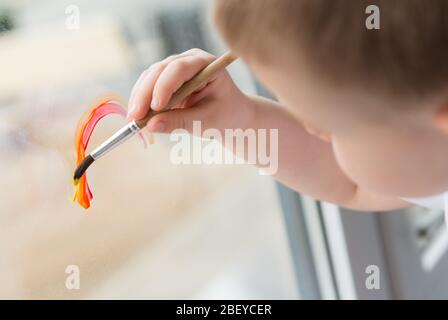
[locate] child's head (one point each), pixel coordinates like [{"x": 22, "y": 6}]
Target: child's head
[{"x": 381, "y": 95}]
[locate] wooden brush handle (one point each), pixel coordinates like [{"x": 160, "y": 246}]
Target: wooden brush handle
[{"x": 192, "y": 85}]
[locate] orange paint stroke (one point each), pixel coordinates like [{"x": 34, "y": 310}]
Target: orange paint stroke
[{"x": 86, "y": 126}]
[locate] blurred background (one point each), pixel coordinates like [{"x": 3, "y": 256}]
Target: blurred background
[{"x": 156, "y": 230}]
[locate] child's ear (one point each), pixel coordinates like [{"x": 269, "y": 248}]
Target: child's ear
[{"x": 441, "y": 118}]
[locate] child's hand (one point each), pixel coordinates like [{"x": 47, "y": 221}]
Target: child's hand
[
  {"x": 305, "y": 163},
  {"x": 218, "y": 104}
]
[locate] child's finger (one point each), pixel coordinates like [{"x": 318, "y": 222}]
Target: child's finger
[
  {"x": 136, "y": 85},
  {"x": 166, "y": 122},
  {"x": 141, "y": 93},
  {"x": 175, "y": 74},
  {"x": 132, "y": 108}
]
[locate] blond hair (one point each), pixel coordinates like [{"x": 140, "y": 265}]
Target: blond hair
[{"x": 407, "y": 55}]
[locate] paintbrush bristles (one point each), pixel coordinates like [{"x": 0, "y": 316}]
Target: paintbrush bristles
[{"x": 81, "y": 169}]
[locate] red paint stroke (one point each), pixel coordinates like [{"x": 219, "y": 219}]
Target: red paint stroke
[{"x": 86, "y": 126}]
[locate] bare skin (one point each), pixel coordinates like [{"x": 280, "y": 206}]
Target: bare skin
[{"x": 346, "y": 147}]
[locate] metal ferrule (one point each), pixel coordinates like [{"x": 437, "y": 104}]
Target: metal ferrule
[{"x": 118, "y": 138}]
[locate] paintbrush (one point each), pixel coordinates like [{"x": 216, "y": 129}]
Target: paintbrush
[{"x": 135, "y": 126}]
